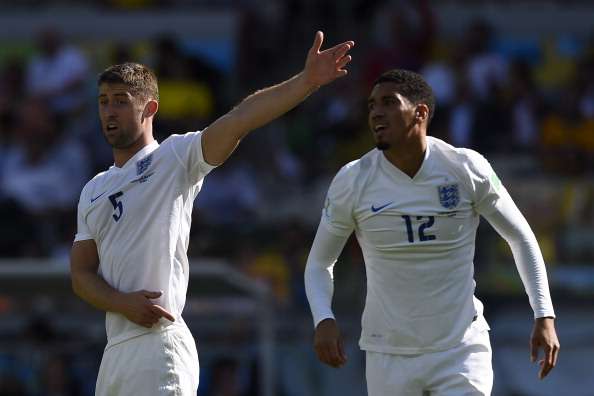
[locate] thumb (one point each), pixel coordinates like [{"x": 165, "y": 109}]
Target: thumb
[
  {"x": 152, "y": 294},
  {"x": 317, "y": 44}
]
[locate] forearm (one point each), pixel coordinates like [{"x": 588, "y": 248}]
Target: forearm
[
  {"x": 319, "y": 284},
  {"x": 93, "y": 289},
  {"x": 509, "y": 222},
  {"x": 269, "y": 103}
]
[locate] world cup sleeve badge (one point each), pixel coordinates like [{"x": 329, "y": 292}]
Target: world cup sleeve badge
[
  {"x": 143, "y": 164},
  {"x": 449, "y": 195}
]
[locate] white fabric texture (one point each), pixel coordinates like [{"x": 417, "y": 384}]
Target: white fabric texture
[
  {"x": 160, "y": 363},
  {"x": 417, "y": 236},
  {"x": 139, "y": 216},
  {"x": 463, "y": 370}
]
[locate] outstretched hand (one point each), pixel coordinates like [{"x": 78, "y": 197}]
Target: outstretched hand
[
  {"x": 323, "y": 67},
  {"x": 544, "y": 336}
]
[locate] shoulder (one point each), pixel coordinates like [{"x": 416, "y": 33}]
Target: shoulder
[
  {"x": 180, "y": 138},
  {"x": 460, "y": 158},
  {"x": 355, "y": 169},
  {"x": 92, "y": 186}
]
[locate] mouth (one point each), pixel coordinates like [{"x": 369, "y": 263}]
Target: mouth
[
  {"x": 379, "y": 128},
  {"x": 111, "y": 127}
]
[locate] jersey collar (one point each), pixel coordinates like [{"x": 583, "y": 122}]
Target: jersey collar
[
  {"x": 421, "y": 173},
  {"x": 149, "y": 148}
]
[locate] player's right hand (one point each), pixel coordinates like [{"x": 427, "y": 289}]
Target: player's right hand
[
  {"x": 328, "y": 343},
  {"x": 137, "y": 307}
]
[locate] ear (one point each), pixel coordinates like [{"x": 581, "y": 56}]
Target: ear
[
  {"x": 150, "y": 109},
  {"x": 421, "y": 112}
]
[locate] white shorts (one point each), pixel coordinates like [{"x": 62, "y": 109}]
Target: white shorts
[
  {"x": 153, "y": 364},
  {"x": 463, "y": 370}
]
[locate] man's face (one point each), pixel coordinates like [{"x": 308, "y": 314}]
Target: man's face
[
  {"x": 120, "y": 114},
  {"x": 391, "y": 115}
]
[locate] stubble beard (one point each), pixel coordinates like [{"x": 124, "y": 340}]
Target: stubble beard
[
  {"x": 382, "y": 146},
  {"x": 121, "y": 141}
]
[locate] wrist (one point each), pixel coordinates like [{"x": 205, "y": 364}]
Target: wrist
[{"x": 309, "y": 85}]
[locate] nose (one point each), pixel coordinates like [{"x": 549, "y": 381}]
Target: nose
[
  {"x": 108, "y": 111},
  {"x": 375, "y": 115}
]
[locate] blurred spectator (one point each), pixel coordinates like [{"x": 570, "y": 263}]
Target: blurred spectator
[
  {"x": 188, "y": 88},
  {"x": 225, "y": 380},
  {"x": 487, "y": 70},
  {"x": 525, "y": 105},
  {"x": 58, "y": 73},
  {"x": 230, "y": 194},
  {"x": 42, "y": 174},
  {"x": 403, "y": 32}
]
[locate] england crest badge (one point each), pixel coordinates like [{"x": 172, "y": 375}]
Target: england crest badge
[
  {"x": 449, "y": 195},
  {"x": 143, "y": 164}
]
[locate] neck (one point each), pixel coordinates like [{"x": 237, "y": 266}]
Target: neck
[
  {"x": 408, "y": 156},
  {"x": 123, "y": 155}
]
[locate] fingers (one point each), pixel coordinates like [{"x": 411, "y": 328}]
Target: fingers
[
  {"x": 331, "y": 354},
  {"x": 162, "y": 313},
  {"x": 533, "y": 350},
  {"x": 151, "y": 294},
  {"x": 317, "y": 44},
  {"x": 339, "y": 50},
  {"x": 550, "y": 360},
  {"x": 342, "y": 63},
  {"x": 555, "y": 354},
  {"x": 341, "y": 354}
]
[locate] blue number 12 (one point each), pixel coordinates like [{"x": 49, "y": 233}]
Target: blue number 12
[{"x": 422, "y": 227}]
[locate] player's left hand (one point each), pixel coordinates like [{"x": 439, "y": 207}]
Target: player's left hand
[
  {"x": 322, "y": 67},
  {"x": 544, "y": 336}
]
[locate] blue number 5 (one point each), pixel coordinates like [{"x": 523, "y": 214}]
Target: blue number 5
[{"x": 117, "y": 205}]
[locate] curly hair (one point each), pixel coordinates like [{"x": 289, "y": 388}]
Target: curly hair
[
  {"x": 412, "y": 86},
  {"x": 141, "y": 80}
]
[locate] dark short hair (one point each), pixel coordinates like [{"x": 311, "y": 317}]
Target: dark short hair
[
  {"x": 412, "y": 86},
  {"x": 141, "y": 80}
]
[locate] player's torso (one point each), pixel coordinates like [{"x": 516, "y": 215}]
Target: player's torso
[
  {"x": 428, "y": 216},
  {"x": 134, "y": 211}
]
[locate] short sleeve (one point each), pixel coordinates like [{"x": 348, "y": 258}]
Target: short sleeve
[
  {"x": 487, "y": 187},
  {"x": 337, "y": 215},
  {"x": 83, "y": 232},
  {"x": 188, "y": 150}
]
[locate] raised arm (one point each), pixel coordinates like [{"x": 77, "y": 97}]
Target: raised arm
[
  {"x": 321, "y": 67},
  {"x": 92, "y": 288}
]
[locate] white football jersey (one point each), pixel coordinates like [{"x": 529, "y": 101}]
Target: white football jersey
[
  {"x": 139, "y": 216},
  {"x": 417, "y": 236}
]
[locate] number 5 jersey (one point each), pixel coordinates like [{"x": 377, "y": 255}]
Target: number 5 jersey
[{"x": 139, "y": 216}]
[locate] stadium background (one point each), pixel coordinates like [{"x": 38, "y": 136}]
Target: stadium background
[{"x": 514, "y": 80}]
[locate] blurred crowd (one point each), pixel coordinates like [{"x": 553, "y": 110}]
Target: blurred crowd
[{"x": 526, "y": 104}]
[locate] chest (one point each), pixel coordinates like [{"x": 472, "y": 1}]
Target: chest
[
  {"x": 437, "y": 211},
  {"x": 126, "y": 202}
]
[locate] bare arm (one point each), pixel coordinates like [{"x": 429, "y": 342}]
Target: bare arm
[
  {"x": 92, "y": 288},
  {"x": 222, "y": 136}
]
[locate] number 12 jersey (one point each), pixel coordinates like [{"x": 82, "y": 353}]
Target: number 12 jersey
[{"x": 417, "y": 236}]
